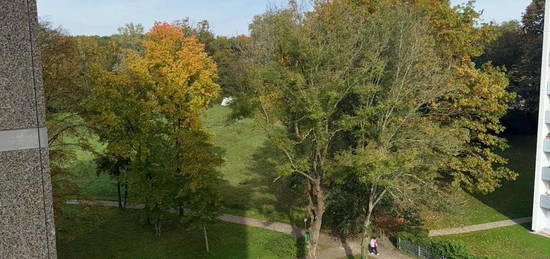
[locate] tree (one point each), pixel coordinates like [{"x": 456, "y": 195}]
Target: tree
[
  {"x": 60, "y": 63},
  {"x": 400, "y": 111},
  {"x": 525, "y": 75},
  {"x": 225, "y": 51},
  {"x": 398, "y": 145},
  {"x": 341, "y": 110},
  {"x": 480, "y": 101},
  {"x": 115, "y": 167},
  {"x": 148, "y": 111},
  {"x": 130, "y": 36},
  {"x": 518, "y": 48},
  {"x": 506, "y": 50}
]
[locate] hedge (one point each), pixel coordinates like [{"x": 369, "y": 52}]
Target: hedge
[{"x": 445, "y": 248}]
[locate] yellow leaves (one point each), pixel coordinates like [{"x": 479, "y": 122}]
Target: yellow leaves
[{"x": 177, "y": 69}]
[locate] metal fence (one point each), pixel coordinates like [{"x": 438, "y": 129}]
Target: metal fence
[{"x": 417, "y": 250}]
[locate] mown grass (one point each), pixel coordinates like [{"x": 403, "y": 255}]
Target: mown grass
[
  {"x": 251, "y": 186},
  {"x": 85, "y": 174},
  {"x": 506, "y": 242},
  {"x": 513, "y": 200},
  {"x": 121, "y": 234},
  {"x": 249, "y": 175}
]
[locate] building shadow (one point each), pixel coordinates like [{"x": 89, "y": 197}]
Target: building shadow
[
  {"x": 515, "y": 198},
  {"x": 264, "y": 194}
]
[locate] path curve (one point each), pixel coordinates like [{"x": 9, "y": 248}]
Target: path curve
[{"x": 337, "y": 248}]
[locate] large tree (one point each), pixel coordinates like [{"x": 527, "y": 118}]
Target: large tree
[
  {"x": 481, "y": 98},
  {"x": 402, "y": 109},
  {"x": 518, "y": 49},
  {"x": 348, "y": 112},
  {"x": 148, "y": 111},
  {"x": 60, "y": 70}
]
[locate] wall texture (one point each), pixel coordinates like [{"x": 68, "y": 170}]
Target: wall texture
[{"x": 26, "y": 214}]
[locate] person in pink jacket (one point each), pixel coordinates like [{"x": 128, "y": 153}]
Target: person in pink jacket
[{"x": 373, "y": 246}]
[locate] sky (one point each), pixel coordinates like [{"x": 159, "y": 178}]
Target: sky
[{"x": 226, "y": 17}]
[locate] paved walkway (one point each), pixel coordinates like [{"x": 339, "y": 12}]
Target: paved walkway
[
  {"x": 338, "y": 248},
  {"x": 479, "y": 227}
]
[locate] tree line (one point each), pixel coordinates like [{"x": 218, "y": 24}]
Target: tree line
[{"x": 381, "y": 108}]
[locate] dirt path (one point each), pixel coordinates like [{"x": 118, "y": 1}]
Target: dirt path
[
  {"x": 341, "y": 249},
  {"x": 479, "y": 227},
  {"x": 337, "y": 248}
]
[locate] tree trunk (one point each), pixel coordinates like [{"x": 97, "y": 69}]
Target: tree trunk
[
  {"x": 125, "y": 201},
  {"x": 157, "y": 228},
  {"x": 365, "y": 236},
  {"x": 316, "y": 222},
  {"x": 374, "y": 199},
  {"x": 181, "y": 212},
  {"x": 205, "y": 239},
  {"x": 119, "y": 194}
]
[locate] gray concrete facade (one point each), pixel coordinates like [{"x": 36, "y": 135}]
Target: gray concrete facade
[{"x": 26, "y": 213}]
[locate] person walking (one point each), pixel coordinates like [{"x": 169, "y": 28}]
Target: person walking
[{"x": 373, "y": 246}]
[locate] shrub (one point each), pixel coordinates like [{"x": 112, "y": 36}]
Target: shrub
[{"x": 443, "y": 248}]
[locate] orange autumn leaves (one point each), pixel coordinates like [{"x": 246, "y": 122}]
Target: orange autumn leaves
[
  {"x": 165, "y": 88},
  {"x": 181, "y": 71}
]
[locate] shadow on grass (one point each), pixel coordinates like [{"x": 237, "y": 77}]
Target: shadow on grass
[
  {"x": 515, "y": 198},
  {"x": 265, "y": 195},
  {"x": 122, "y": 234}
]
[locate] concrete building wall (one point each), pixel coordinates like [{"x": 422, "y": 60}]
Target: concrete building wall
[
  {"x": 541, "y": 198},
  {"x": 26, "y": 214}
]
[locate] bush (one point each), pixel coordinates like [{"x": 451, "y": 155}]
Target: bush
[
  {"x": 282, "y": 246},
  {"x": 444, "y": 248}
]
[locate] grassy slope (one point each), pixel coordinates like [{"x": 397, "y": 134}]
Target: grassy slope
[
  {"x": 513, "y": 200},
  {"x": 249, "y": 170},
  {"x": 249, "y": 189},
  {"x": 120, "y": 235},
  {"x": 506, "y": 242},
  {"x": 85, "y": 175}
]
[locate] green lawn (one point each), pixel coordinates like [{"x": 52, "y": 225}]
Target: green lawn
[
  {"x": 94, "y": 186},
  {"x": 513, "y": 200},
  {"x": 120, "y": 234},
  {"x": 507, "y": 242},
  {"x": 250, "y": 190},
  {"x": 249, "y": 171}
]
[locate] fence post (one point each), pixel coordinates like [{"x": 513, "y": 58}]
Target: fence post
[
  {"x": 418, "y": 250},
  {"x": 399, "y": 243}
]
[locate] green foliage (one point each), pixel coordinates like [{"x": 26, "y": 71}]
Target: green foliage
[
  {"x": 147, "y": 110},
  {"x": 367, "y": 112},
  {"x": 130, "y": 37},
  {"x": 442, "y": 248},
  {"x": 225, "y": 51},
  {"x": 283, "y": 246},
  {"x": 480, "y": 99},
  {"x": 63, "y": 89},
  {"x": 519, "y": 49}
]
